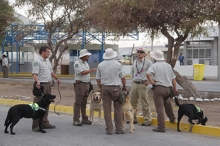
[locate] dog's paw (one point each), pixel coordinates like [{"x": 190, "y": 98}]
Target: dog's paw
[
  {"x": 179, "y": 130},
  {"x": 92, "y": 123},
  {"x": 131, "y": 131},
  {"x": 12, "y": 133},
  {"x": 6, "y": 131}
]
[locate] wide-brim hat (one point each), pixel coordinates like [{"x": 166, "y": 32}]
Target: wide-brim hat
[
  {"x": 84, "y": 52},
  {"x": 157, "y": 55},
  {"x": 109, "y": 54}
]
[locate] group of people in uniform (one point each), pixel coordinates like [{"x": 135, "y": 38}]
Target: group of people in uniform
[{"x": 111, "y": 81}]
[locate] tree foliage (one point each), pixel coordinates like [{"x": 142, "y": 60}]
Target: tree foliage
[
  {"x": 175, "y": 19},
  {"x": 6, "y": 16},
  {"x": 63, "y": 17}
]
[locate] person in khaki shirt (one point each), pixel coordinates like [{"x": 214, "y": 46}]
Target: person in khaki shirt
[
  {"x": 42, "y": 74},
  {"x": 140, "y": 83},
  {"x": 109, "y": 77},
  {"x": 164, "y": 79},
  {"x": 81, "y": 87}
]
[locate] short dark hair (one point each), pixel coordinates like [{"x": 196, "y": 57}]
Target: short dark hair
[{"x": 43, "y": 48}]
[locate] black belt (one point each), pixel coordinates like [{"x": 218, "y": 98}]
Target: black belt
[
  {"x": 112, "y": 85},
  {"x": 43, "y": 82},
  {"x": 140, "y": 82},
  {"x": 160, "y": 86},
  {"x": 78, "y": 81}
]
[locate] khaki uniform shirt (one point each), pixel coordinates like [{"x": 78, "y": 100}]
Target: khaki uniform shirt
[
  {"x": 138, "y": 72},
  {"x": 5, "y": 62},
  {"x": 80, "y": 66},
  {"x": 162, "y": 72},
  {"x": 110, "y": 72},
  {"x": 42, "y": 67}
]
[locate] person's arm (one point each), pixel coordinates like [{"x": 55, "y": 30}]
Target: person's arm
[
  {"x": 55, "y": 77},
  {"x": 85, "y": 72},
  {"x": 174, "y": 86},
  {"x": 123, "y": 80},
  {"x": 35, "y": 77},
  {"x": 99, "y": 83},
  {"x": 150, "y": 79}
]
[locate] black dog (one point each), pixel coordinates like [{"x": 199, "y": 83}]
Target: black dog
[
  {"x": 192, "y": 112},
  {"x": 34, "y": 111}
]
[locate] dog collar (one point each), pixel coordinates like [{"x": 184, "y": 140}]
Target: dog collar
[{"x": 96, "y": 104}]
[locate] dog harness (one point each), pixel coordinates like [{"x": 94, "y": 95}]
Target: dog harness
[
  {"x": 36, "y": 107},
  {"x": 198, "y": 109}
]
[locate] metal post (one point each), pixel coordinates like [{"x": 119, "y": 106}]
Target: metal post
[
  {"x": 83, "y": 39},
  {"x": 218, "y": 50},
  {"x": 17, "y": 55},
  {"x": 101, "y": 52}
]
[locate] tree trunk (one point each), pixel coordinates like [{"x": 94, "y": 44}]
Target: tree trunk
[
  {"x": 187, "y": 85},
  {"x": 171, "y": 59}
]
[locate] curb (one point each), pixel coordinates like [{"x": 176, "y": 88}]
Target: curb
[{"x": 196, "y": 129}]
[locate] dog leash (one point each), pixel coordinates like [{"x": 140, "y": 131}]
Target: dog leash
[{"x": 58, "y": 101}]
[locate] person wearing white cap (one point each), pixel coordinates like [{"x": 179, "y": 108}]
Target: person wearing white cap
[
  {"x": 140, "y": 83},
  {"x": 81, "y": 87},
  {"x": 164, "y": 79},
  {"x": 4, "y": 65},
  {"x": 109, "y": 77}
]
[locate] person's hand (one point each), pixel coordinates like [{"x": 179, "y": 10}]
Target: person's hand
[
  {"x": 94, "y": 69},
  {"x": 146, "y": 83},
  {"x": 124, "y": 89},
  {"x": 175, "y": 91},
  {"x": 58, "y": 81},
  {"x": 38, "y": 85}
]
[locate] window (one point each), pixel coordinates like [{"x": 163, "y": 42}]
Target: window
[
  {"x": 199, "y": 52},
  {"x": 195, "y": 53}
]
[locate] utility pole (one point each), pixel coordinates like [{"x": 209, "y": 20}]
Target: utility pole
[{"x": 218, "y": 50}]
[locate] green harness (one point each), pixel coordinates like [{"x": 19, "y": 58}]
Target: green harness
[{"x": 36, "y": 107}]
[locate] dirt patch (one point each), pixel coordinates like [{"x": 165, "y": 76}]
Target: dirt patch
[{"x": 23, "y": 90}]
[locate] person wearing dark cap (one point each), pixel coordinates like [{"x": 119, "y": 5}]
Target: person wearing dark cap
[
  {"x": 164, "y": 78},
  {"x": 139, "y": 89},
  {"x": 81, "y": 87},
  {"x": 109, "y": 77},
  {"x": 4, "y": 65}
]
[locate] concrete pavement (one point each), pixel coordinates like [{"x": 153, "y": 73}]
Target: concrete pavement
[
  {"x": 212, "y": 131},
  {"x": 66, "y": 134}
]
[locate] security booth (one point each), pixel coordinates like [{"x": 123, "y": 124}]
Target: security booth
[
  {"x": 19, "y": 60},
  {"x": 94, "y": 58}
]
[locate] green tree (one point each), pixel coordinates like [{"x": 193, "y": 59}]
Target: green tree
[
  {"x": 6, "y": 16},
  {"x": 175, "y": 19},
  {"x": 60, "y": 17}
]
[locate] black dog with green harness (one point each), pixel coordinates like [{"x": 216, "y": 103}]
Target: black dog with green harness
[
  {"x": 192, "y": 112},
  {"x": 34, "y": 111}
]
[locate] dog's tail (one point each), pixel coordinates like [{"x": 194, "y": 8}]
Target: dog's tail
[
  {"x": 7, "y": 119},
  {"x": 176, "y": 101}
]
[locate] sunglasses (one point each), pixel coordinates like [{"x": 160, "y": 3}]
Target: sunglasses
[{"x": 141, "y": 52}]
